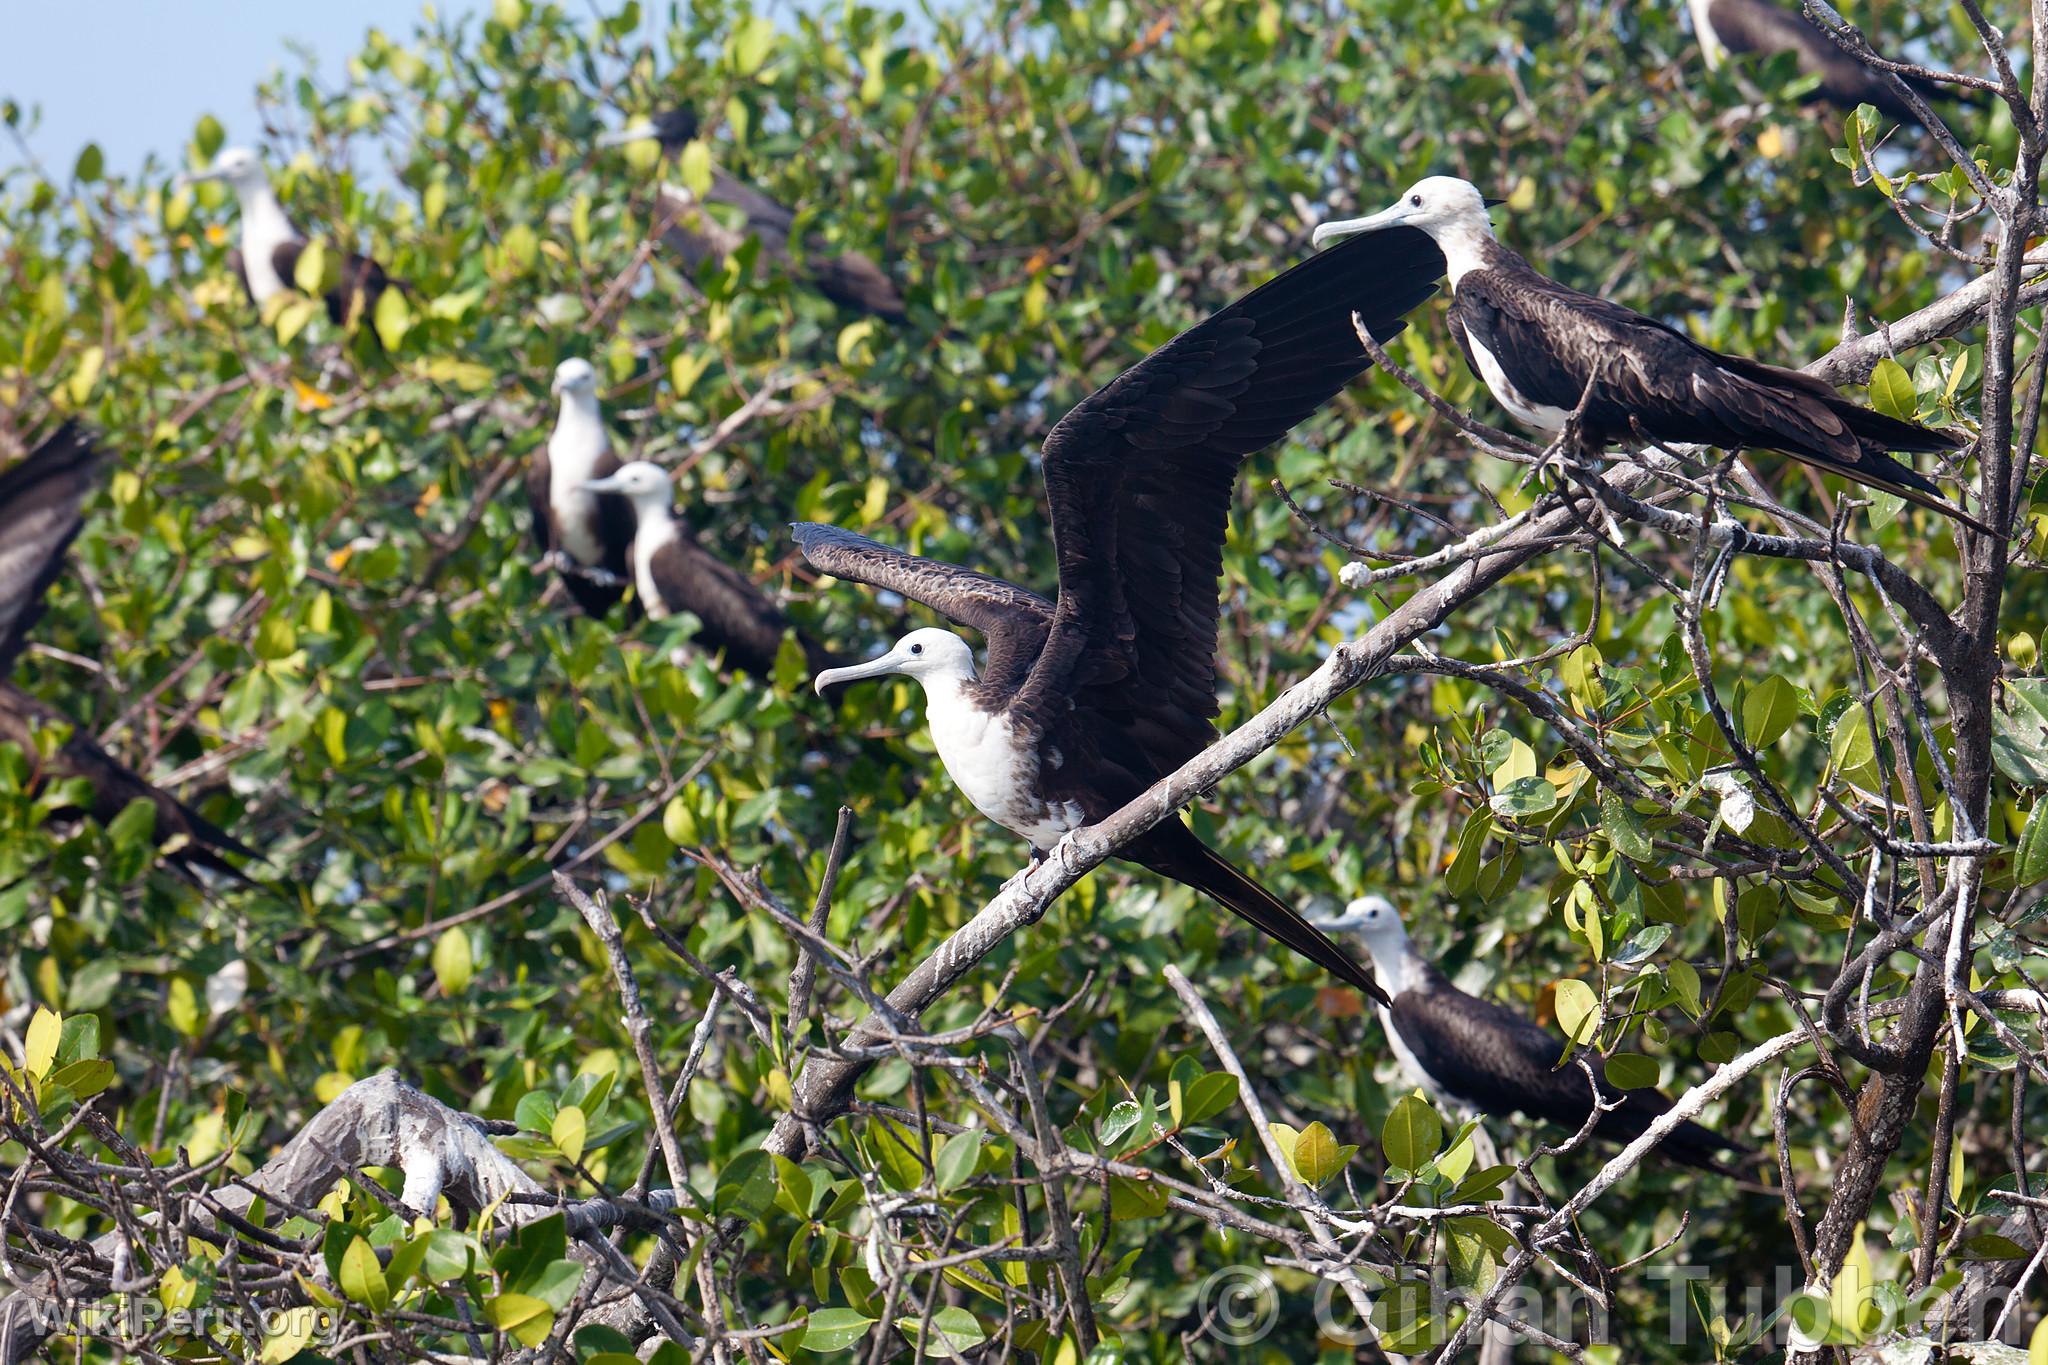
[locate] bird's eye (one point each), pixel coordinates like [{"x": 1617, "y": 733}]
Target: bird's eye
[
  {"x": 917, "y": 649},
  {"x": 1416, "y": 200}
]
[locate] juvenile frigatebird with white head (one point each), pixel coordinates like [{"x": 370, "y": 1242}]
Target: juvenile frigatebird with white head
[
  {"x": 1084, "y": 703},
  {"x": 1764, "y": 28},
  {"x": 588, "y": 535},
  {"x": 673, "y": 573},
  {"x": 1472, "y": 1056},
  {"x": 1542, "y": 348},
  {"x": 41, "y": 510},
  {"x": 847, "y": 277},
  {"x": 267, "y": 260}
]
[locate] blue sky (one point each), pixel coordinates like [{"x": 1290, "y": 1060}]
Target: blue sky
[{"x": 135, "y": 75}]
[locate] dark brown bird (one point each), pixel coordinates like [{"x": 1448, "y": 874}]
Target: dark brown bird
[
  {"x": 267, "y": 260},
  {"x": 1085, "y": 702},
  {"x": 848, "y": 278},
  {"x": 1470, "y": 1054},
  {"x": 1539, "y": 346},
  {"x": 41, "y": 499},
  {"x": 1763, "y": 28},
  {"x": 673, "y": 574}
]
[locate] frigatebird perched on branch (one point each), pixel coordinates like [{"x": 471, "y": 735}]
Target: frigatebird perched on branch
[
  {"x": 41, "y": 499},
  {"x": 588, "y": 535},
  {"x": 1471, "y": 1055},
  {"x": 1765, "y": 28},
  {"x": 848, "y": 278},
  {"x": 1549, "y": 352},
  {"x": 1086, "y": 702},
  {"x": 673, "y": 574},
  {"x": 268, "y": 258}
]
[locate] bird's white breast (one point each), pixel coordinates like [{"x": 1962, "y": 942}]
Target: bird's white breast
[
  {"x": 650, "y": 538},
  {"x": 264, "y": 230},
  {"x": 1541, "y": 416},
  {"x": 572, "y": 462},
  {"x": 994, "y": 767}
]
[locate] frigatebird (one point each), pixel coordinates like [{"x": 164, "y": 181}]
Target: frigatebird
[
  {"x": 1764, "y": 28},
  {"x": 588, "y": 535},
  {"x": 41, "y": 510},
  {"x": 1472, "y": 1056},
  {"x": 1544, "y": 348},
  {"x": 1086, "y": 702},
  {"x": 673, "y": 573},
  {"x": 268, "y": 258},
  {"x": 848, "y": 278}
]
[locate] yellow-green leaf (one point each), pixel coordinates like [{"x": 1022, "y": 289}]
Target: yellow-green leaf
[
  {"x": 44, "y": 1032},
  {"x": 290, "y": 1333},
  {"x": 568, "y": 1132},
  {"x": 362, "y": 1278},
  {"x": 525, "y": 1317},
  {"x": 1891, "y": 390},
  {"x": 454, "y": 964},
  {"x": 1316, "y": 1155},
  {"x": 1578, "y": 1011}
]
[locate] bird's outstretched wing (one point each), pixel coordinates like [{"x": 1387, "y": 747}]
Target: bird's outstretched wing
[
  {"x": 1139, "y": 479},
  {"x": 1013, "y": 620},
  {"x": 41, "y": 502}
]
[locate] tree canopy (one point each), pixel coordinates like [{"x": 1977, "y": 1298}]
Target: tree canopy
[{"x": 1673, "y": 825}]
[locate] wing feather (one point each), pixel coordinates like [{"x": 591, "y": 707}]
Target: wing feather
[
  {"x": 1011, "y": 619},
  {"x": 1139, "y": 478}
]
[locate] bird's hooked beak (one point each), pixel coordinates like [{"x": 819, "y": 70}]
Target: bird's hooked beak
[
  {"x": 609, "y": 484},
  {"x": 877, "y": 667},
  {"x": 1340, "y": 228},
  {"x": 639, "y": 130},
  {"x": 1331, "y": 921},
  {"x": 189, "y": 178}
]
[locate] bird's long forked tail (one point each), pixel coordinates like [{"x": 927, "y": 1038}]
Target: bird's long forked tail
[
  {"x": 1884, "y": 473},
  {"x": 1173, "y": 850}
]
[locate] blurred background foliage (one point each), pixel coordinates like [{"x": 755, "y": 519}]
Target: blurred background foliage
[{"x": 307, "y": 598}]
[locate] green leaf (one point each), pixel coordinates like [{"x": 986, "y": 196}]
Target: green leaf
[
  {"x": 2037, "y": 1347},
  {"x": 1131, "y": 1198},
  {"x": 752, "y": 41},
  {"x": 1524, "y": 797},
  {"x": 1210, "y": 1095},
  {"x": 1578, "y": 1011},
  {"x": 1632, "y": 1071},
  {"x": 450, "y": 1255},
  {"x": 1768, "y": 711},
  {"x": 1412, "y": 1133},
  {"x": 453, "y": 965},
  {"x": 535, "y": 1112},
  {"x": 1624, "y": 828},
  {"x": 362, "y": 1278},
  {"x": 2019, "y": 731},
  {"x": 746, "y": 1187},
  {"x": 1121, "y": 1119},
  {"x": 90, "y": 164},
  {"x": 834, "y": 1329},
  {"x": 954, "y": 1331},
  {"x": 1989, "y": 1246},
  {"x": 954, "y": 1164},
  {"x": 1891, "y": 391}
]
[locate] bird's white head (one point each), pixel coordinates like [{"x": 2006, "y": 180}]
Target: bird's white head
[
  {"x": 928, "y": 655},
  {"x": 575, "y": 377},
  {"x": 1450, "y": 210},
  {"x": 241, "y": 167},
  {"x": 642, "y": 481},
  {"x": 1374, "y": 922}
]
